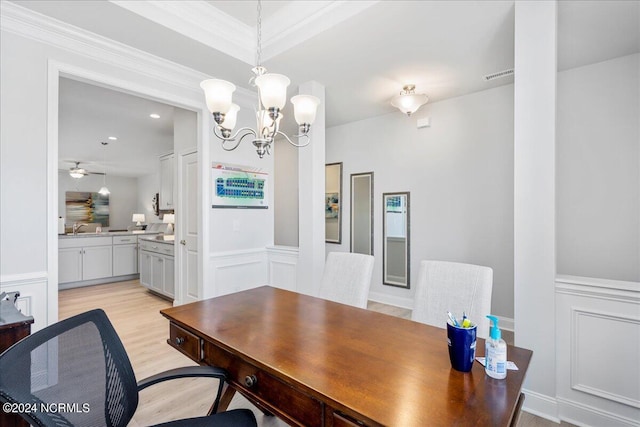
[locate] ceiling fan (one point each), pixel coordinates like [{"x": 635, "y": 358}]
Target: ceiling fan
[{"x": 78, "y": 172}]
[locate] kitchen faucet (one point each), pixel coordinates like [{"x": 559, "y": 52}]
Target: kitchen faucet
[{"x": 76, "y": 227}]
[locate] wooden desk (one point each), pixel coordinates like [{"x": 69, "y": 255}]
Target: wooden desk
[{"x": 318, "y": 363}]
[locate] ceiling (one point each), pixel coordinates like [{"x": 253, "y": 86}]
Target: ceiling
[
  {"x": 363, "y": 52},
  {"x": 89, "y": 115}
]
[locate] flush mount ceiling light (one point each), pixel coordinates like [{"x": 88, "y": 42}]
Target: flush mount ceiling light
[
  {"x": 77, "y": 172},
  {"x": 409, "y": 101},
  {"x": 272, "y": 96},
  {"x": 154, "y": 116}
]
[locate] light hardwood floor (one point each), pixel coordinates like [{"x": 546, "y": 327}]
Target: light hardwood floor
[{"x": 135, "y": 315}]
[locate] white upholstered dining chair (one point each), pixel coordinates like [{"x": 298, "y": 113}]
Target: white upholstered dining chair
[
  {"x": 456, "y": 287},
  {"x": 347, "y": 278}
]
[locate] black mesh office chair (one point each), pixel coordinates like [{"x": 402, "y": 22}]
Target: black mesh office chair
[{"x": 76, "y": 373}]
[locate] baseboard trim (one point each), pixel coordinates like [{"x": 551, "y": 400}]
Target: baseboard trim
[
  {"x": 541, "y": 405},
  {"x": 401, "y": 302},
  {"x": 71, "y": 285},
  {"x": 583, "y": 415}
]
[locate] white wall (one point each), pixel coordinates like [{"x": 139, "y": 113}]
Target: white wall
[
  {"x": 34, "y": 52},
  {"x": 148, "y": 186},
  {"x": 460, "y": 175},
  {"x": 286, "y": 194},
  {"x": 122, "y": 200},
  {"x": 598, "y": 164}
]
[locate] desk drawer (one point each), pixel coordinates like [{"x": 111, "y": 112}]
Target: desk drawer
[
  {"x": 185, "y": 341},
  {"x": 283, "y": 398}
]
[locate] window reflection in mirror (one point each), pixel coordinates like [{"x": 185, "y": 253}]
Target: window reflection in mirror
[
  {"x": 362, "y": 213},
  {"x": 395, "y": 241},
  {"x": 333, "y": 203}
]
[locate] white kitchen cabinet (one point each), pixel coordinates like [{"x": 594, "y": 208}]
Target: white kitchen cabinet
[
  {"x": 145, "y": 264},
  {"x": 157, "y": 266},
  {"x": 125, "y": 255},
  {"x": 97, "y": 262},
  {"x": 69, "y": 265},
  {"x": 167, "y": 166},
  {"x": 86, "y": 258}
]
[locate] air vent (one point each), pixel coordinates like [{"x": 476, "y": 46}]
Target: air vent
[{"x": 499, "y": 75}]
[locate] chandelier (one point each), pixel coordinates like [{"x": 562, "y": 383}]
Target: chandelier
[
  {"x": 408, "y": 101},
  {"x": 272, "y": 96}
]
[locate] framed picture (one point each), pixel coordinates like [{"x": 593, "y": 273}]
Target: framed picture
[
  {"x": 235, "y": 186},
  {"x": 87, "y": 207}
]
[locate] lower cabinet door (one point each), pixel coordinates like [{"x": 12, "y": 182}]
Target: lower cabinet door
[
  {"x": 169, "y": 280},
  {"x": 97, "y": 262},
  {"x": 69, "y": 265},
  {"x": 157, "y": 273},
  {"x": 145, "y": 268},
  {"x": 125, "y": 259}
]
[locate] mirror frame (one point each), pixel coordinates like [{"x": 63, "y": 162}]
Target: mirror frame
[
  {"x": 407, "y": 285},
  {"x": 339, "y": 203},
  {"x": 352, "y": 204}
]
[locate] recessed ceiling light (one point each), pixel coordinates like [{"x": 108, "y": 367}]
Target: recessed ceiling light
[
  {"x": 113, "y": 138},
  {"x": 154, "y": 116}
]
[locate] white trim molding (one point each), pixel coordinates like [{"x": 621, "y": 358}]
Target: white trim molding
[
  {"x": 43, "y": 29},
  {"x": 282, "y": 263},
  {"x": 597, "y": 349},
  {"x": 234, "y": 271}
]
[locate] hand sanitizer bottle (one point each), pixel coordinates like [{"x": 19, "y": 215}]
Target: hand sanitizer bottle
[{"x": 495, "y": 352}]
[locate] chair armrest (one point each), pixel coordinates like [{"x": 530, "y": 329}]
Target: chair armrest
[{"x": 189, "y": 372}]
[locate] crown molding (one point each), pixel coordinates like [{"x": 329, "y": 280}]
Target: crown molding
[
  {"x": 43, "y": 29},
  {"x": 199, "y": 21},
  {"x": 300, "y": 21}
]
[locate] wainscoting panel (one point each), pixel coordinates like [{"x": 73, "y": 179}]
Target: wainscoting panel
[
  {"x": 236, "y": 271},
  {"x": 598, "y": 348},
  {"x": 282, "y": 266},
  {"x": 33, "y": 295},
  {"x": 600, "y": 337}
]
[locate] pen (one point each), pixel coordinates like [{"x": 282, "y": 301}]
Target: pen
[{"x": 453, "y": 320}]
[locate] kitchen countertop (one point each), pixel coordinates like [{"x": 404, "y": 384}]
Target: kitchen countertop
[
  {"x": 161, "y": 238},
  {"x": 109, "y": 234}
]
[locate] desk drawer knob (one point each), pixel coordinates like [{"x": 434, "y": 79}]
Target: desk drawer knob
[
  {"x": 250, "y": 380},
  {"x": 179, "y": 340}
]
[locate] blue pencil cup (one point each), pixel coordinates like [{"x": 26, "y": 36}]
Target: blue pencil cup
[{"x": 462, "y": 347}]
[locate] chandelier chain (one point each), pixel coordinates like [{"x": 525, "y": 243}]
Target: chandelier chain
[{"x": 259, "y": 35}]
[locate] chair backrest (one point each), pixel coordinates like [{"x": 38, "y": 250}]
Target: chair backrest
[
  {"x": 347, "y": 278},
  {"x": 455, "y": 287},
  {"x": 76, "y": 372}
]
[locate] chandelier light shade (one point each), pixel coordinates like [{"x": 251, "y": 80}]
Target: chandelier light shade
[
  {"x": 273, "y": 90},
  {"x": 218, "y": 94},
  {"x": 408, "y": 101},
  {"x": 272, "y": 97},
  {"x": 305, "y": 107}
]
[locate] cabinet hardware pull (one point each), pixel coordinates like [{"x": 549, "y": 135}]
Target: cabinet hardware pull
[
  {"x": 250, "y": 380},
  {"x": 183, "y": 242},
  {"x": 179, "y": 340}
]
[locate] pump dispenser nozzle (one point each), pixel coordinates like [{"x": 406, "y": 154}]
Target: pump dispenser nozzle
[{"x": 494, "y": 332}]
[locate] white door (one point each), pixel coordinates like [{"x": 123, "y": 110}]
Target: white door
[
  {"x": 125, "y": 259},
  {"x": 187, "y": 219}
]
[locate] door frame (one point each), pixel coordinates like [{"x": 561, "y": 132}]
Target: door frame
[{"x": 57, "y": 69}]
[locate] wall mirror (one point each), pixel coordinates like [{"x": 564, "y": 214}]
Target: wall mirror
[
  {"x": 333, "y": 202},
  {"x": 362, "y": 213},
  {"x": 395, "y": 239}
]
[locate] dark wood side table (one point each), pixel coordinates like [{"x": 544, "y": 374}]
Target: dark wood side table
[{"x": 11, "y": 333}]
